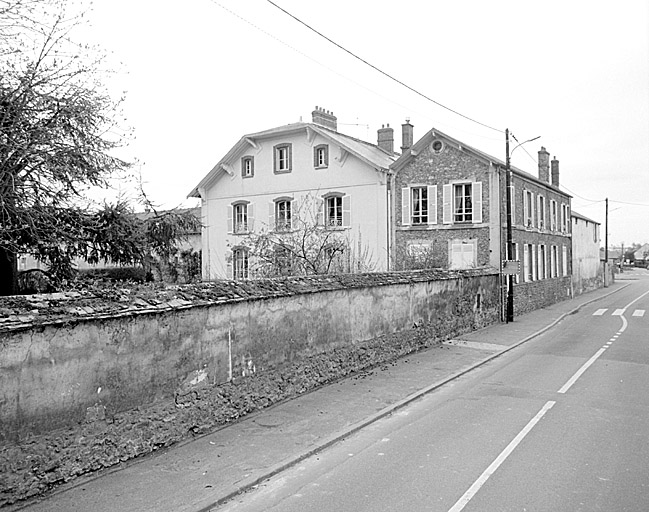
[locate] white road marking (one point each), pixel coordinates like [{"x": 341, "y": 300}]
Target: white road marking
[
  {"x": 471, "y": 492},
  {"x": 600, "y": 312},
  {"x": 581, "y": 370},
  {"x": 619, "y": 312},
  {"x": 638, "y": 312}
]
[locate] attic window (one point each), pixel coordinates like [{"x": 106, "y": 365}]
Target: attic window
[{"x": 437, "y": 146}]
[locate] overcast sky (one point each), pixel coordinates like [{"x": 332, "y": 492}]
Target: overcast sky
[{"x": 200, "y": 74}]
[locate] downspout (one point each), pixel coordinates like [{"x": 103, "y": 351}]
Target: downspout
[{"x": 389, "y": 219}]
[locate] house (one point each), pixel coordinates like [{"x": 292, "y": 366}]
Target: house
[
  {"x": 587, "y": 269},
  {"x": 641, "y": 256},
  {"x": 270, "y": 180},
  {"x": 450, "y": 211}
]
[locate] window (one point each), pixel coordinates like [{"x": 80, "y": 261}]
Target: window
[
  {"x": 321, "y": 156},
  {"x": 543, "y": 263},
  {"x": 462, "y": 202},
  {"x": 529, "y": 262},
  {"x": 541, "y": 213},
  {"x": 240, "y": 217},
  {"x": 528, "y": 208},
  {"x": 553, "y": 262},
  {"x": 419, "y": 205},
  {"x": 240, "y": 264},
  {"x": 553, "y": 215},
  {"x": 283, "y": 215},
  {"x": 248, "y": 166},
  {"x": 283, "y": 260},
  {"x": 565, "y": 217},
  {"x": 463, "y": 254},
  {"x": 282, "y": 155},
  {"x": 334, "y": 211},
  {"x": 564, "y": 260}
]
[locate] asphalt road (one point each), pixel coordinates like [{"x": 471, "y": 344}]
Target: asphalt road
[{"x": 559, "y": 424}]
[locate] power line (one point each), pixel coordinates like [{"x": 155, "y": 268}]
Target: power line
[
  {"x": 380, "y": 70},
  {"x": 265, "y": 32}
]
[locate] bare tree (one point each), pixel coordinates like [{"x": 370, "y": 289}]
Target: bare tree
[
  {"x": 58, "y": 132},
  {"x": 303, "y": 245}
]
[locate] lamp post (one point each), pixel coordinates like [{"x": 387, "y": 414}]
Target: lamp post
[{"x": 509, "y": 313}]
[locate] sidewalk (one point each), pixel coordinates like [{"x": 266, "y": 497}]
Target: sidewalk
[{"x": 199, "y": 475}]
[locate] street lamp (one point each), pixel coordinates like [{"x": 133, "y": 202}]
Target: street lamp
[{"x": 509, "y": 314}]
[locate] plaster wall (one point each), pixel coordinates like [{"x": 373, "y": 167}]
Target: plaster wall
[{"x": 53, "y": 376}]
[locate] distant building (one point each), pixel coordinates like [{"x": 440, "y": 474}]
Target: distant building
[{"x": 587, "y": 268}]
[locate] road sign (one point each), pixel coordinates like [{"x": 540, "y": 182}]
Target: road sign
[{"x": 511, "y": 267}]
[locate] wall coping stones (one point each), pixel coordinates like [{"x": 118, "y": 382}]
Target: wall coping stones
[{"x": 21, "y": 312}]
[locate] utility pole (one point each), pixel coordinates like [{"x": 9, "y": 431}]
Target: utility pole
[
  {"x": 509, "y": 314},
  {"x": 606, "y": 246}
]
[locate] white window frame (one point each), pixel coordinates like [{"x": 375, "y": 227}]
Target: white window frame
[
  {"x": 283, "y": 217},
  {"x": 247, "y": 166},
  {"x": 408, "y": 210},
  {"x": 450, "y": 208},
  {"x": 342, "y": 217},
  {"x": 564, "y": 260},
  {"x": 553, "y": 215},
  {"x": 240, "y": 263},
  {"x": 528, "y": 208},
  {"x": 321, "y": 156},
  {"x": 282, "y": 155},
  {"x": 240, "y": 217}
]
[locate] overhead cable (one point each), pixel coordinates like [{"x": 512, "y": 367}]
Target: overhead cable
[{"x": 381, "y": 71}]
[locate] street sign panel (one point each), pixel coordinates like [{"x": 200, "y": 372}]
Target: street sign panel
[{"x": 511, "y": 267}]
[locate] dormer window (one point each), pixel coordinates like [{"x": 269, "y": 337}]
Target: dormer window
[
  {"x": 321, "y": 156},
  {"x": 282, "y": 158},
  {"x": 247, "y": 166}
]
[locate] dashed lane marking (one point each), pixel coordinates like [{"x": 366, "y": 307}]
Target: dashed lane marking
[
  {"x": 638, "y": 312},
  {"x": 619, "y": 312},
  {"x": 600, "y": 312}
]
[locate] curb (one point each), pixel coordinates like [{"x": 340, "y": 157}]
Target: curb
[{"x": 387, "y": 411}]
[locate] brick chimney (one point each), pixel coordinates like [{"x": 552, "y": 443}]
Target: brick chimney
[
  {"x": 406, "y": 135},
  {"x": 386, "y": 138},
  {"x": 324, "y": 118},
  {"x": 544, "y": 165},
  {"x": 555, "y": 172}
]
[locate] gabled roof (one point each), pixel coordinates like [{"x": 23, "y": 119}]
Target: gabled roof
[
  {"x": 434, "y": 133},
  {"x": 573, "y": 213},
  {"x": 371, "y": 154}
]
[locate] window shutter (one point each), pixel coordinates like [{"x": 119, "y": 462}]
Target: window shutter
[
  {"x": 533, "y": 210},
  {"x": 513, "y": 204},
  {"x": 525, "y": 209},
  {"x": 229, "y": 268},
  {"x": 526, "y": 263},
  {"x": 347, "y": 211},
  {"x": 230, "y": 212},
  {"x": 534, "y": 264},
  {"x": 432, "y": 204},
  {"x": 320, "y": 204},
  {"x": 476, "y": 189},
  {"x": 405, "y": 206},
  {"x": 447, "y": 213},
  {"x": 271, "y": 216},
  {"x": 251, "y": 218}
]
